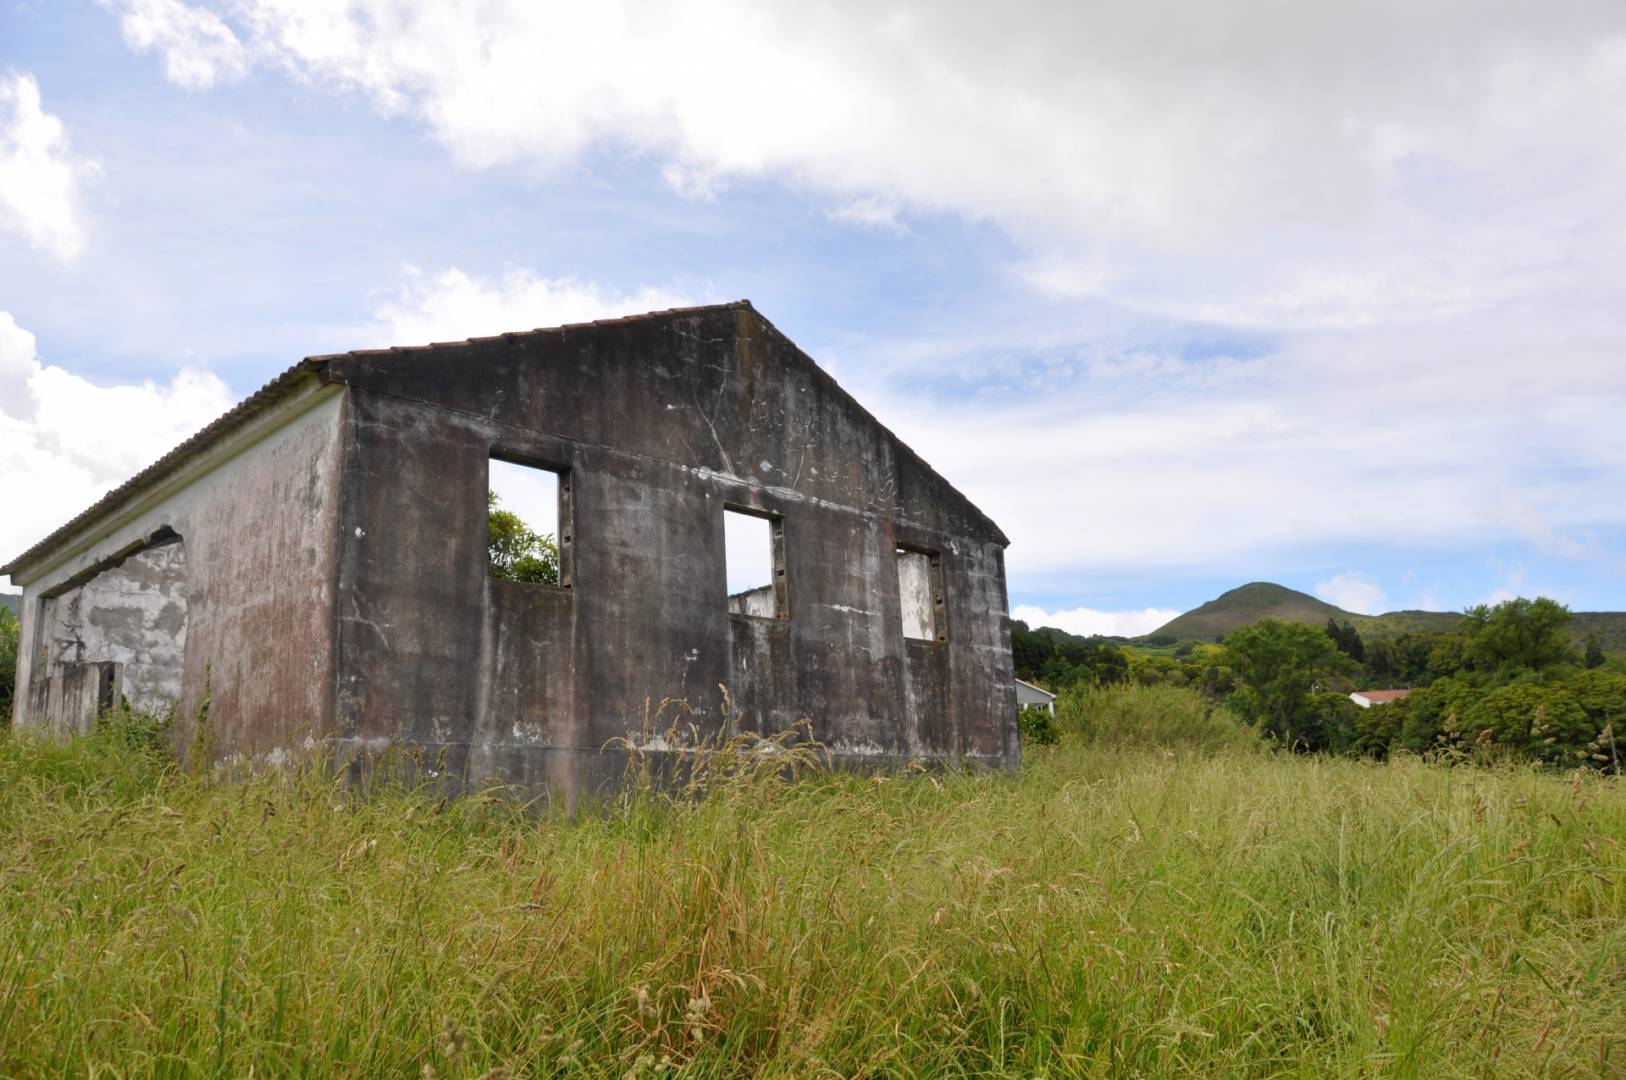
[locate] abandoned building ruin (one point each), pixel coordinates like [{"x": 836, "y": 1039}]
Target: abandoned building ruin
[{"x": 315, "y": 562}]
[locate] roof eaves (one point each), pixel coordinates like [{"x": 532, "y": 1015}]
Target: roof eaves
[{"x": 259, "y": 401}]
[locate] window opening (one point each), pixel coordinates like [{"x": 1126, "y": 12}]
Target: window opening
[
  {"x": 920, "y": 595},
  {"x": 528, "y": 533},
  {"x": 754, "y": 550}
]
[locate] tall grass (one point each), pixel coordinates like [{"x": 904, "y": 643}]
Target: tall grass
[
  {"x": 1168, "y": 717},
  {"x": 1124, "y": 905}
]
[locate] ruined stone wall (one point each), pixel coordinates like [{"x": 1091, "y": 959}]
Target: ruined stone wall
[{"x": 656, "y": 426}]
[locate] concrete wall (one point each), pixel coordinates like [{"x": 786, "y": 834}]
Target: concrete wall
[
  {"x": 257, "y": 517},
  {"x": 657, "y": 425},
  {"x": 132, "y": 614},
  {"x": 70, "y": 699},
  {"x": 758, "y": 602}
]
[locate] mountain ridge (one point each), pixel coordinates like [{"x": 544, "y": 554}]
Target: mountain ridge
[{"x": 1247, "y": 604}]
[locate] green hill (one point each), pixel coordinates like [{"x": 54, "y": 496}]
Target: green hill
[
  {"x": 1266, "y": 600},
  {"x": 14, "y": 601},
  {"x": 1245, "y": 605}
]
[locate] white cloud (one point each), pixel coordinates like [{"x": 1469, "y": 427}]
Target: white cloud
[
  {"x": 1516, "y": 584},
  {"x": 1307, "y": 165},
  {"x": 453, "y": 305},
  {"x": 1428, "y": 438},
  {"x": 198, "y": 48},
  {"x": 1353, "y": 592},
  {"x": 64, "y": 440},
  {"x": 1424, "y": 224},
  {"x": 1089, "y": 621},
  {"x": 40, "y": 175},
  {"x": 870, "y": 212}
]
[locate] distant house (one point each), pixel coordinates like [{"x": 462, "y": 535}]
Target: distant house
[
  {"x": 1028, "y": 694},
  {"x": 1368, "y": 698}
]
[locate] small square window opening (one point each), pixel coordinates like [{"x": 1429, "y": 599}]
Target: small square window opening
[
  {"x": 754, "y": 547},
  {"x": 527, "y": 524},
  {"x": 920, "y": 595}
]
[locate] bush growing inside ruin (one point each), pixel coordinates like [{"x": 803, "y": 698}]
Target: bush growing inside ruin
[
  {"x": 1037, "y": 726},
  {"x": 517, "y": 552}
]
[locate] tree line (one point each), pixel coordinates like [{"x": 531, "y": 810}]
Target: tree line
[{"x": 1509, "y": 681}]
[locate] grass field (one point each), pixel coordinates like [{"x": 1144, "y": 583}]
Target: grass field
[{"x": 1153, "y": 897}]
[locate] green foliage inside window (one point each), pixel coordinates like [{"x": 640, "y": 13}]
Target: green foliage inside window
[
  {"x": 515, "y": 551},
  {"x": 1037, "y": 726}
]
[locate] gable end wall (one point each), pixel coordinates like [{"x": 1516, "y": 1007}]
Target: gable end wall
[{"x": 660, "y": 425}]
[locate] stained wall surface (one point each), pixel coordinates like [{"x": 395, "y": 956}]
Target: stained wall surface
[
  {"x": 656, "y": 425},
  {"x": 256, "y": 527},
  {"x": 132, "y": 614}
]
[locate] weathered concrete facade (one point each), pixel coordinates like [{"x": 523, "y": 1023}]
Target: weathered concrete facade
[
  {"x": 335, "y": 583},
  {"x": 132, "y": 615}
]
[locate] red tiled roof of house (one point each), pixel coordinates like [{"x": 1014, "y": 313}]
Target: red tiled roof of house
[{"x": 1383, "y": 695}]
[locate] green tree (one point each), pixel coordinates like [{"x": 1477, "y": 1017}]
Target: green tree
[
  {"x": 1156, "y": 671},
  {"x": 1517, "y": 635},
  {"x": 515, "y": 551},
  {"x": 1377, "y": 729},
  {"x": 1277, "y": 666},
  {"x": 1383, "y": 662},
  {"x": 1594, "y": 652},
  {"x": 1336, "y": 718},
  {"x": 1347, "y": 638},
  {"x": 1547, "y": 722},
  {"x": 1430, "y": 717},
  {"x": 8, "y": 663},
  {"x": 1445, "y": 658}
]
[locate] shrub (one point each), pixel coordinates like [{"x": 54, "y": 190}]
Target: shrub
[{"x": 1037, "y": 726}]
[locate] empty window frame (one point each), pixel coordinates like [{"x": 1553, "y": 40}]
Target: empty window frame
[
  {"x": 754, "y": 550},
  {"x": 528, "y": 523},
  {"x": 920, "y": 595}
]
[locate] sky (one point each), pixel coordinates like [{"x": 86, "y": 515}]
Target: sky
[{"x": 1184, "y": 295}]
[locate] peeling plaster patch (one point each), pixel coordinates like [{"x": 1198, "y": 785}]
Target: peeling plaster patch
[
  {"x": 860, "y": 749},
  {"x": 132, "y": 614}
]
